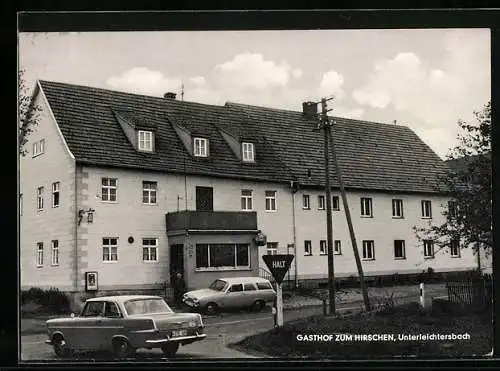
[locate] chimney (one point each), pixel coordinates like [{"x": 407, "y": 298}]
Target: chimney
[
  {"x": 310, "y": 110},
  {"x": 169, "y": 95}
]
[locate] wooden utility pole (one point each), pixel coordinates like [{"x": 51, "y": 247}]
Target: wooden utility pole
[
  {"x": 366, "y": 300},
  {"x": 325, "y": 125}
]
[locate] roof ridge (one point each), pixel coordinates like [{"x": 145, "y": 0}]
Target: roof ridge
[
  {"x": 253, "y": 106},
  {"x": 114, "y": 91}
]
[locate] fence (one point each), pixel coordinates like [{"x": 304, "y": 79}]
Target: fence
[{"x": 470, "y": 289}]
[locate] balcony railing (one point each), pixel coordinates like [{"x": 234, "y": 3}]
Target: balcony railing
[{"x": 212, "y": 220}]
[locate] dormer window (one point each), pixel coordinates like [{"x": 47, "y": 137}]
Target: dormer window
[
  {"x": 200, "y": 147},
  {"x": 248, "y": 152},
  {"x": 145, "y": 140}
]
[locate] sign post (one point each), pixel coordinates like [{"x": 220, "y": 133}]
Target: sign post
[{"x": 278, "y": 265}]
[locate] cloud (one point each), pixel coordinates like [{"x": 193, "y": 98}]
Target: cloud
[
  {"x": 331, "y": 84},
  {"x": 353, "y": 113},
  {"x": 440, "y": 94},
  {"x": 252, "y": 71},
  {"x": 198, "y": 80},
  {"x": 144, "y": 81}
]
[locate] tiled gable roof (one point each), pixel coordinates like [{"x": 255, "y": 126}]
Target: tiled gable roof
[
  {"x": 87, "y": 120},
  {"x": 372, "y": 155}
]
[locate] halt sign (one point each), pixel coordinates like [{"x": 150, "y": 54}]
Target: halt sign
[{"x": 278, "y": 265}]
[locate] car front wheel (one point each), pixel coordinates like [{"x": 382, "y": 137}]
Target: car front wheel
[
  {"x": 122, "y": 349},
  {"x": 170, "y": 349},
  {"x": 211, "y": 308},
  {"x": 61, "y": 348}
]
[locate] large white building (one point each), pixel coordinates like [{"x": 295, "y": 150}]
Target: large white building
[{"x": 131, "y": 188}]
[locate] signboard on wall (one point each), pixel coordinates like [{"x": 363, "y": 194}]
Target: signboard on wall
[{"x": 91, "y": 281}]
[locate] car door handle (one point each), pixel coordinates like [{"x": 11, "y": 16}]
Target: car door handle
[{"x": 99, "y": 321}]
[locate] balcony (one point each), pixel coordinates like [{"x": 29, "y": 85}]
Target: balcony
[{"x": 211, "y": 221}]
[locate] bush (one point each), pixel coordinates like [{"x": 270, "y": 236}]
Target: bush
[{"x": 48, "y": 301}]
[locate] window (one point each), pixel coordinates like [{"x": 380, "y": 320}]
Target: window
[
  {"x": 236, "y": 288},
  {"x": 200, "y": 147},
  {"x": 270, "y": 200},
  {"x": 108, "y": 189},
  {"x": 38, "y": 147},
  {"x": 55, "y": 194},
  {"x": 323, "y": 248},
  {"x": 222, "y": 255},
  {"x": 145, "y": 140},
  {"x": 249, "y": 287},
  {"x": 272, "y": 248},
  {"x": 335, "y": 203},
  {"x": 39, "y": 254},
  {"x": 111, "y": 310},
  {"x": 397, "y": 208},
  {"x": 109, "y": 249},
  {"x": 307, "y": 247},
  {"x": 248, "y": 152},
  {"x": 247, "y": 200},
  {"x": 368, "y": 250},
  {"x": 399, "y": 249},
  {"x": 21, "y": 204},
  {"x": 452, "y": 209},
  {"x": 39, "y": 198},
  {"x": 306, "y": 202},
  {"x": 149, "y": 192},
  {"x": 366, "y": 207},
  {"x": 149, "y": 249},
  {"x": 337, "y": 249},
  {"x": 455, "y": 248},
  {"x": 264, "y": 286},
  {"x": 428, "y": 249},
  {"x": 93, "y": 309},
  {"x": 321, "y": 202},
  {"x": 55, "y": 252},
  {"x": 426, "y": 209}
]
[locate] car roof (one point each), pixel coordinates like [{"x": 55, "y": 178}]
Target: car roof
[
  {"x": 243, "y": 279},
  {"x": 123, "y": 298}
]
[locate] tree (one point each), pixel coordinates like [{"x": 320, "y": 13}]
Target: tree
[
  {"x": 28, "y": 113},
  {"x": 468, "y": 216}
]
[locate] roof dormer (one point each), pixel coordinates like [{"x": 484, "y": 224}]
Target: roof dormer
[
  {"x": 140, "y": 133},
  {"x": 247, "y": 151},
  {"x": 196, "y": 143}
]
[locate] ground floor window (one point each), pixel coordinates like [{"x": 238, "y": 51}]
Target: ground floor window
[
  {"x": 272, "y": 248},
  {"x": 110, "y": 249},
  {"x": 220, "y": 255},
  {"x": 150, "y": 249},
  {"x": 368, "y": 250}
]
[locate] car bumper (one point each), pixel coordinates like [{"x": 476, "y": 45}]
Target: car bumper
[
  {"x": 191, "y": 303},
  {"x": 165, "y": 340}
]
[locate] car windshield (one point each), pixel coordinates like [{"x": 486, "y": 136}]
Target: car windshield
[
  {"x": 218, "y": 285},
  {"x": 147, "y": 306}
]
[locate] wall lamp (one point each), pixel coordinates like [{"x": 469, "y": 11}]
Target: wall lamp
[{"x": 90, "y": 215}]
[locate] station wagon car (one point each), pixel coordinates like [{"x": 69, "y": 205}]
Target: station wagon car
[
  {"x": 123, "y": 324},
  {"x": 232, "y": 293}
]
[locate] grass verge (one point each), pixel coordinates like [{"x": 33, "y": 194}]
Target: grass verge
[{"x": 408, "y": 319}]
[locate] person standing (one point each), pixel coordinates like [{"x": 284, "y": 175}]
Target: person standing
[{"x": 179, "y": 288}]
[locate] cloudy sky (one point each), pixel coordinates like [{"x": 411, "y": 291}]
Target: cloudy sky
[{"x": 426, "y": 79}]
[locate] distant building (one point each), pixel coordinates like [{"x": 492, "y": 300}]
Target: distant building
[{"x": 133, "y": 188}]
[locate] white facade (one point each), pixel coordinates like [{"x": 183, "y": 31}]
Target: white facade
[{"x": 81, "y": 243}]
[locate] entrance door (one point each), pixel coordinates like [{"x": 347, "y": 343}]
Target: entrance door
[
  {"x": 176, "y": 261},
  {"x": 204, "y": 199}
]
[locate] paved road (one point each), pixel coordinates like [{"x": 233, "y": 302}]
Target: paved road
[{"x": 221, "y": 330}]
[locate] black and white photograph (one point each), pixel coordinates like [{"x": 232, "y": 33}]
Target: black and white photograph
[{"x": 317, "y": 194}]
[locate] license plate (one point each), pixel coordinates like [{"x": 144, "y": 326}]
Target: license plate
[{"x": 178, "y": 333}]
